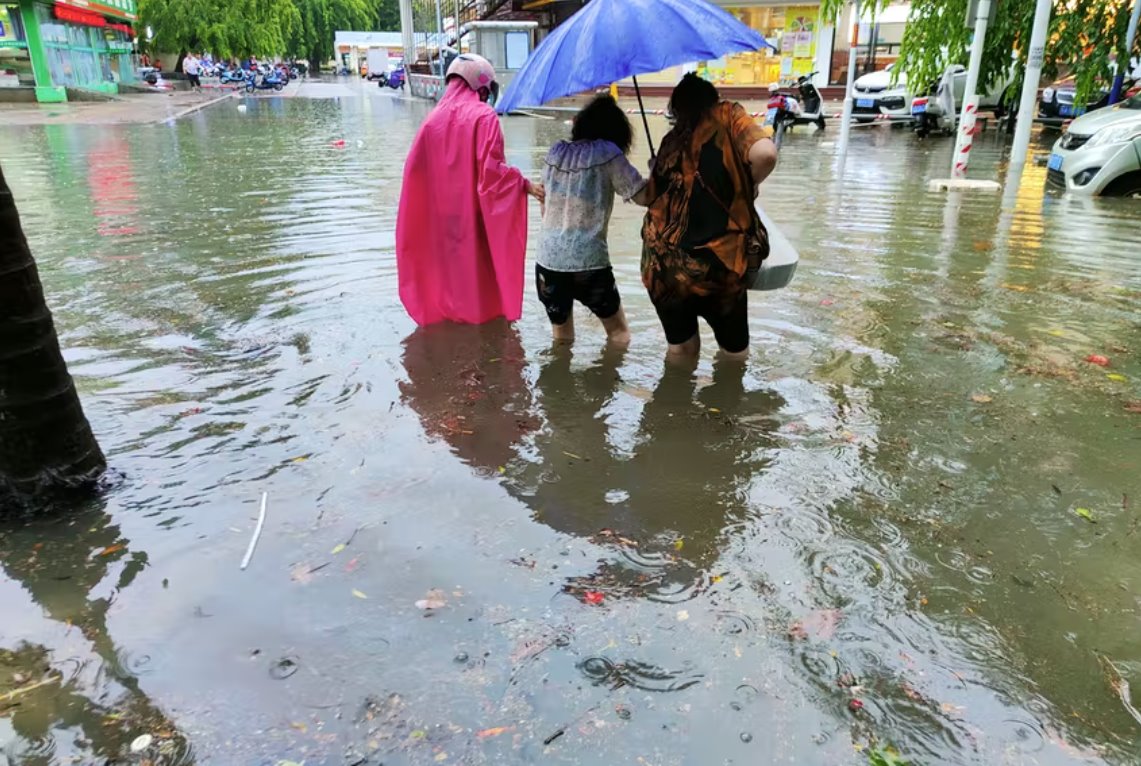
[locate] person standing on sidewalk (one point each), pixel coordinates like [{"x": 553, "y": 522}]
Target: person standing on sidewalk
[{"x": 192, "y": 68}]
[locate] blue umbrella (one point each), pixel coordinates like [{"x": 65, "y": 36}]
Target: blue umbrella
[{"x": 610, "y": 40}]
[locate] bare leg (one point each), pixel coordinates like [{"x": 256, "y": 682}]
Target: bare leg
[
  {"x": 564, "y": 333},
  {"x": 617, "y": 329},
  {"x": 733, "y": 356},
  {"x": 690, "y": 348}
]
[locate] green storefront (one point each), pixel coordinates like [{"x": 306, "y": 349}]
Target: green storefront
[{"x": 52, "y": 46}]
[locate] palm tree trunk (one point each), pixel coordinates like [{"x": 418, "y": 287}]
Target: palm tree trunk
[{"x": 45, "y": 440}]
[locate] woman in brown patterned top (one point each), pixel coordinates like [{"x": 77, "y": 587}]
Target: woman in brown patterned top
[{"x": 702, "y": 234}]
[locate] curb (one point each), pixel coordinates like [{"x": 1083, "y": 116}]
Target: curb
[{"x": 192, "y": 109}]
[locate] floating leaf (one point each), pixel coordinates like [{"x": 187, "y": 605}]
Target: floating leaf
[
  {"x": 981, "y": 398},
  {"x": 112, "y": 549},
  {"x": 682, "y": 615},
  {"x": 572, "y": 455},
  {"x": 434, "y": 600},
  {"x": 337, "y": 548},
  {"x": 1085, "y": 514},
  {"x": 1116, "y": 377},
  {"x": 492, "y": 732},
  {"x": 358, "y": 594},
  {"x": 679, "y": 544},
  {"x": 290, "y": 763}
]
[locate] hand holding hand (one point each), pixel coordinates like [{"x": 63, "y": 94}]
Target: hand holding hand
[{"x": 537, "y": 190}]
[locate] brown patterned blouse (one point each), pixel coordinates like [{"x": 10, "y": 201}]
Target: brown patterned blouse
[{"x": 701, "y": 206}]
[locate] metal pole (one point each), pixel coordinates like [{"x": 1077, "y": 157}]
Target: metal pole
[
  {"x": 846, "y": 118},
  {"x": 645, "y": 122},
  {"x": 1123, "y": 69},
  {"x": 1030, "y": 84},
  {"x": 970, "y": 113},
  {"x": 406, "y": 34},
  {"x": 440, "y": 39}
]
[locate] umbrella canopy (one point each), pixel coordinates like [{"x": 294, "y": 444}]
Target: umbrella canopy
[{"x": 610, "y": 40}]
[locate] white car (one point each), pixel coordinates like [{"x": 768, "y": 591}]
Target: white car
[
  {"x": 875, "y": 95},
  {"x": 1100, "y": 153}
]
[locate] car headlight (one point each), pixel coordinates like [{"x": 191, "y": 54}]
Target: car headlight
[
  {"x": 1048, "y": 94},
  {"x": 1116, "y": 134}
]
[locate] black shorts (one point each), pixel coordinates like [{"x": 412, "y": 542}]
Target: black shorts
[
  {"x": 595, "y": 289},
  {"x": 195, "y": 80},
  {"x": 728, "y": 316}
]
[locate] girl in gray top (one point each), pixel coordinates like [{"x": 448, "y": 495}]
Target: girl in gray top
[{"x": 581, "y": 178}]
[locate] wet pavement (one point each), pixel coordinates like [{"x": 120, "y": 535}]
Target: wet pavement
[{"x": 908, "y": 526}]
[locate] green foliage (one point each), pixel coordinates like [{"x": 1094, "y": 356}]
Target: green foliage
[
  {"x": 263, "y": 28},
  {"x": 312, "y": 38},
  {"x": 1084, "y": 37},
  {"x": 226, "y": 28}
]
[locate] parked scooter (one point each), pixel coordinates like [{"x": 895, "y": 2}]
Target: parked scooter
[
  {"x": 786, "y": 111},
  {"x": 394, "y": 79},
  {"x": 271, "y": 81},
  {"x": 232, "y": 77}
]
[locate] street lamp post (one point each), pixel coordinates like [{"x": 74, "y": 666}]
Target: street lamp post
[
  {"x": 846, "y": 117},
  {"x": 1030, "y": 82}
]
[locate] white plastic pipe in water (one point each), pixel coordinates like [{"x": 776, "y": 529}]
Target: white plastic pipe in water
[
  {"x": 970, "y": 113},
  {"x": 1026, "y": 106},
  {"x": 849, "y": 103}
]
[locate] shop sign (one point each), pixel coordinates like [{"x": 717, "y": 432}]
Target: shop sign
[
  {"x": 76, "y": 16},
  {"x": 13, "y": 44}
]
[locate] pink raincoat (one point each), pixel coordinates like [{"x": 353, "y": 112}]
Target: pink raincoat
[{"x": 461, "y": 232}]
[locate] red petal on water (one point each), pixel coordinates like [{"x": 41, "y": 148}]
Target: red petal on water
[
  {"x": 1098, "y": 359},
  {"x": 593, "y": 597}
]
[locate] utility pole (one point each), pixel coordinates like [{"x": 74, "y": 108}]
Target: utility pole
[
  {"x": 1030, "y": 83},
  {"x": 1123, "y": 67},
  {"x": 849, "y": 102},
  {"x": 969, "y": 116},
  {"x": 440, "y": 39},
  {"x": 406, "y": 35}
]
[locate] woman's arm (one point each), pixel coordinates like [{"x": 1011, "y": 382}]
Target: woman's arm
[{"x": 762, "y": 159}]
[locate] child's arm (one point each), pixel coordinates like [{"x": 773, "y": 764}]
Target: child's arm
[{"x": 628, "y": 182}]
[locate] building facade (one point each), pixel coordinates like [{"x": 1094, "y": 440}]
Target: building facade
[
  {"x": 804, "y": 43},
  {"x": 52, "y": 46}
]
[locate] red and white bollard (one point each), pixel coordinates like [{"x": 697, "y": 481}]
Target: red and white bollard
[{"x": 968, "y": 129}]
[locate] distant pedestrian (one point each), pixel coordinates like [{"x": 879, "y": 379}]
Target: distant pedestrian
[
  {"x": 461, "y": 229},
  {"x": 702, "y": 236},
  {"x": 582, "y": 177},
  {"x": 192, "y": 68}
]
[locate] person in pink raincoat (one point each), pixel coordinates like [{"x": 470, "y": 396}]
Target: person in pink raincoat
[{"x": 461, "y": 231}]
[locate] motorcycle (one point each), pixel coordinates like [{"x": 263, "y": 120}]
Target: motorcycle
[
  {"x": 232, "y": 77},
  {"x": 264, "y": 82},
  {"x": 785, "y": 111},
  {"x": 394, "y": 80}
]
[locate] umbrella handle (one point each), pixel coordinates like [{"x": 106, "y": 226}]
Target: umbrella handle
[{"x": 645, "y": 122}]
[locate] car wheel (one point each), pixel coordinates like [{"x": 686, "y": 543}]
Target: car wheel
[
  {"x": 865, "y": 120},
  {"x": 1128, "y": 185},
  {"x": 279, "y": 86}
]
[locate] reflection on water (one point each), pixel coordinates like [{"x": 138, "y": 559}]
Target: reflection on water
[{"x": 484, "y": 549}]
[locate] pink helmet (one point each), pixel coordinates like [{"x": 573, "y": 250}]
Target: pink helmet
[{"x": 477, "y": 72}]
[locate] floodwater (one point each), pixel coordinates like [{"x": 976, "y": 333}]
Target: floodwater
[{"x": 905, "y": 532}]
